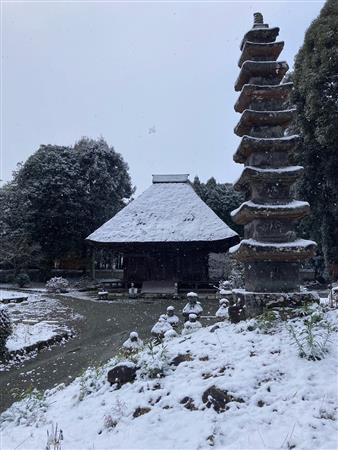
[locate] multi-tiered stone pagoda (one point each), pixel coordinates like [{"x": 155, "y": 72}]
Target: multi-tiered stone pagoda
[{"x": 270, "y": 250}]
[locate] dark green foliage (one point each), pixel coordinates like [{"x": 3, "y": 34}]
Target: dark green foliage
[
  {"x": 62, "y": 194},
  {"x": 5, "y": 329},
  {"x": 315, "y": 95},
  {"x": 22, "y": 279},
  {"x": 221, "y": 198}
]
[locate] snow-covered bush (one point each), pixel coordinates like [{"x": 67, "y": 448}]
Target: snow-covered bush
[
  {"x": 311, "y": 334},
  {"x": 5, "y": 328},
  {"x": 22, "y": 279},
  {"x": 57, "y": 284},
  {"x": 267, "y": 321},
  {"x": 29, "y": 411},
  {"x": 91, "y": 381},
  {"x": 154, "y": 361}
]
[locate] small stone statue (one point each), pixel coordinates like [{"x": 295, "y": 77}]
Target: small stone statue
[
  {"x": 161, "y": 327},
  {"x": 133, "y": 343},
  {"x": 171, "y": 316},
  {"x": 223, "y": 310},
  {"x": 191, "y": 325},
  {"x": 193, "y": 306}
]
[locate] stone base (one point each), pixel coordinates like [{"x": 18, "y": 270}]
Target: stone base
[{"x": 256, "y": 302}]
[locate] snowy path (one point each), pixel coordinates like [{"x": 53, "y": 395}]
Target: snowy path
[{"x": 98, "y": 336}]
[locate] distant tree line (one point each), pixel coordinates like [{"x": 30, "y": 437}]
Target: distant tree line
[
  {"x": 221, "y": 198},
  {"x": 56, "y": 199}
]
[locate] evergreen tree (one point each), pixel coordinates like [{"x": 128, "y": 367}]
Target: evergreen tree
[
  {"x": 62, "y": 194},
  {"x": 221, "y": 198},
  {"x": 315, "y": 95}
]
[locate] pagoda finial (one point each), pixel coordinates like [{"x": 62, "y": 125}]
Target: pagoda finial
[{"x": 258, "y": 18}]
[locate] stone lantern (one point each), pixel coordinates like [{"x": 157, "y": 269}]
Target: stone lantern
[{"x": 270, "y": 251}]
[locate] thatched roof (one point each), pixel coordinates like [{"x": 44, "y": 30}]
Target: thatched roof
[{"x": 168, "y": 211}]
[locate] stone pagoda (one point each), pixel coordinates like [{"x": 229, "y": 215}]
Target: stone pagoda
[{"x": 270, "y": 251}]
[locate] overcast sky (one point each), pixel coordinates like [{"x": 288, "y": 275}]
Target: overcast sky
[{"x": 155, "y": 79}]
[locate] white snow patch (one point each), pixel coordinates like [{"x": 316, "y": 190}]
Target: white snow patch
[{"x": 287, "y": 401}]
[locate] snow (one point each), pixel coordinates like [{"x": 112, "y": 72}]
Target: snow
[
  {"x": 165, "y": 212},
  {"x": 288, "y": 401},
  {"x": 25, "y": 334},
  {"x": 298, "y": 243},
  {"x": 294, "y": 204}
]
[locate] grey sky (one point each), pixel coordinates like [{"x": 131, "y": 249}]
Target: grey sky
[{"x": 154, "y": 79}]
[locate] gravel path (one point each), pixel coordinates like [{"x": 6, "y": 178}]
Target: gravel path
[{"x": 99, "y": 334}]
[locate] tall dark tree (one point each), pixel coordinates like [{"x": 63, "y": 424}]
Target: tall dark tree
[
  {"x": 316, "y": 97},
  {"x": 62, "y": 194},
  {"x": 221, "y": 198}
]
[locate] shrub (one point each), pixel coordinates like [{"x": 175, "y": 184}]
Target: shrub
[
  {"x": 312, "y": 334},
  {"x": 57, "y": 284},
  {"x": 22, "y": 279},
  {"x": 5, "y": 328}
]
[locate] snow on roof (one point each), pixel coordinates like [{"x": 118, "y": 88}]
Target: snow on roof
[
  {"x": 171, "y": 178},
  {"x": 168, "y": 211}
]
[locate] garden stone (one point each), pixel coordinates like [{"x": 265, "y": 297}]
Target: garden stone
[
  {"x": 218, "y": 399},
  {"x": 122, "y": 373}
]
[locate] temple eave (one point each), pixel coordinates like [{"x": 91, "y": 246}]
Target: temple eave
[
  {"x": 250, "y": 92},
  {"x": 296, "y": 251},
  {"x": 260, "y": 35},
  {"x": 275, "y": 70},
  {"x": 286, "y": 175},
  {"x": 268, "y": 50},
  {"x": 250, "y": 211},
  {"x": 250, "y": 144},
  {"x": 251, "y": 118}
]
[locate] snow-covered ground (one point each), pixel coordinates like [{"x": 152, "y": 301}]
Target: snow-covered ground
[
  {"x": 276, "y": 398},
  {"x": 26, "y": 334},
  {"x": 39, "y": 318}
]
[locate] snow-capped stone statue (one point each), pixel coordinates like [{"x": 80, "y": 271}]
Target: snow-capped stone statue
[
  {"x": 133, "y": 343},
  {"x": 170, "y": 334},
  {"x": 5, "y": 329},
  {"x": 193, "y": 306},
  {"x": 191, "y": 325},
  {"x": 171, "y": 316},
  {"x": 223, "y": 310},
  {"x": 271, "y": 251},
  {"x": 160, "y": 327}
]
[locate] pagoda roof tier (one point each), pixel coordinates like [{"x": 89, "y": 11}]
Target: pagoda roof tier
[
  {"x": 260, "y": 35},
  {"x": 260, "y": 51},
  {"x": 284, "y": 174},
  {"x": 250, "y": 144},
  {"x": 252, "y": 92},
  {"x": 251, "y": 250},
  {"x": 251, "y": 118},
  {"x": 274, "y": 70},
  {"x": 250, "y": 210}
]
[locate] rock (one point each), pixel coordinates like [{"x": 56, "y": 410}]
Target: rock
[
  {"x": 188, "y": 403},
  {"x": 122, "y": 373},
  {"x": 214, "y": 328},
  {"x": 140, "y": 411},
  {"x": 236, "y": 314},
  {"x": 218, "y": 399},
  {"x": 181, "y": 358}
]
